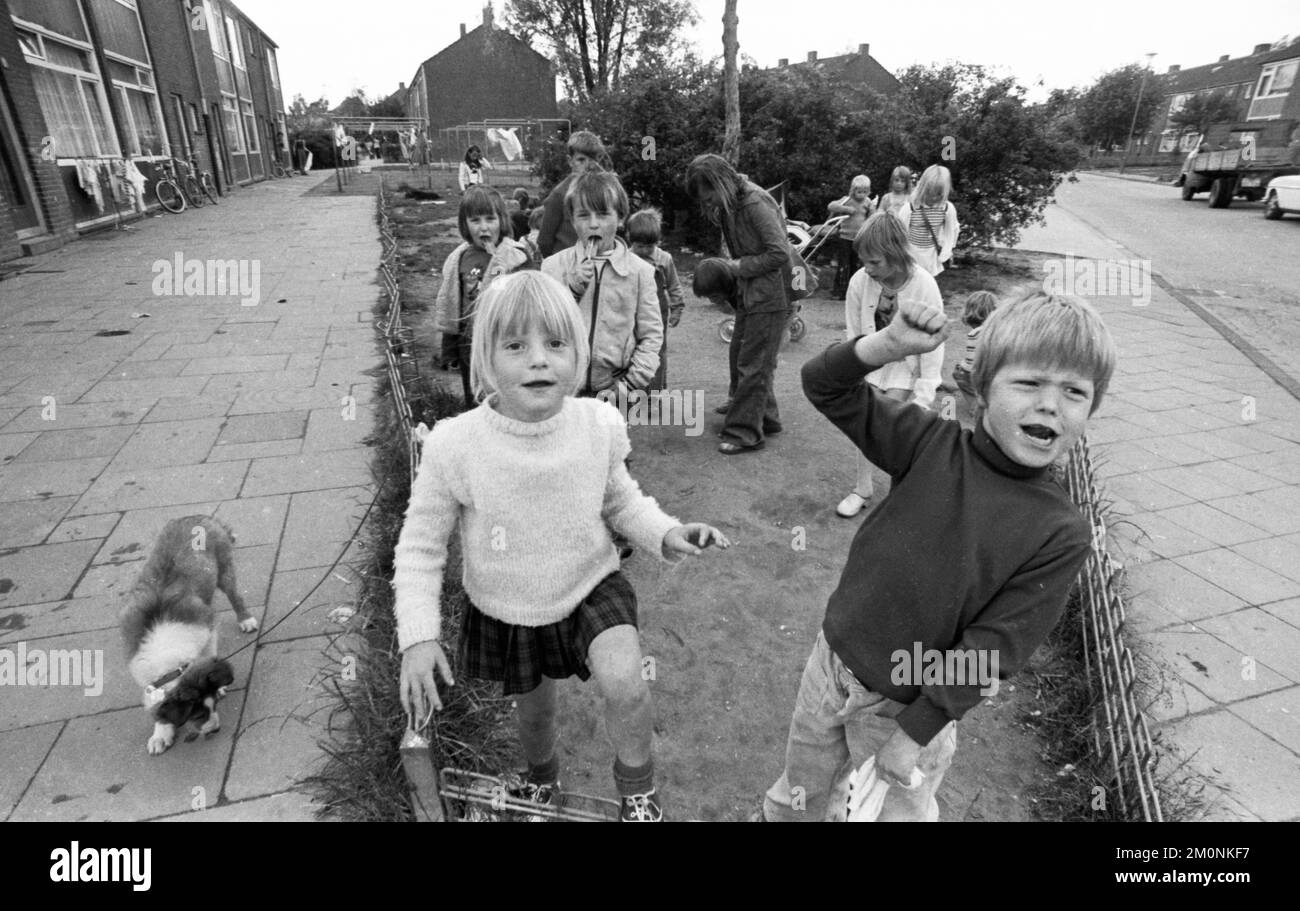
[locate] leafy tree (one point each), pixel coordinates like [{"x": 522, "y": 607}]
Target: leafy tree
[
  {"x": 1204, "y": 109},
  {"x": 305, "y": 116},
  {"x": 1106, "y": 109},
  {"x": 595, "y": 42}
]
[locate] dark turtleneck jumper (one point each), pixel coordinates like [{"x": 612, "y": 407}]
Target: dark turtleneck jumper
[{"x": 970, "y": 550}]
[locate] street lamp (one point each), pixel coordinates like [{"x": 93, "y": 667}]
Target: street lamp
[{"x": 1133, "y": 126}]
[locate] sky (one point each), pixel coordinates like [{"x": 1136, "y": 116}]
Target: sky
[{"x": 331, "y": 47}]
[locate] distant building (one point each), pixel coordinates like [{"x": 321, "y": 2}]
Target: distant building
[
  {"x": 859, "y": 70},
  {"x": 88, "y": 84},
  {"x": 1261, "y": 85},
  {"x": 487, "y": 74}
]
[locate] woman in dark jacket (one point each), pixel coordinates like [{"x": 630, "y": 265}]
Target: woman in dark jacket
[{"x": 754, "y": 229}]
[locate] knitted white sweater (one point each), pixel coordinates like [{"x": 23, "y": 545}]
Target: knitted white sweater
[{"x": 532, "y": 500}]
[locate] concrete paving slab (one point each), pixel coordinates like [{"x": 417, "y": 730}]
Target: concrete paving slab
[
  {"x": 85, "y": 674},
  {"x": 1259, "y": 772},
  {"x": 285, "y": 714},
  {"x": 42, "y": 573},
  {"x": 306, "y": 597},
  {"x": 156, "y": 445},
  {"x": 257, "y": 520},
  {"x": 128, "y": 490},
  {"x": 24, "y": 750},
  {"x": 134, "y": 536},
  {"x": 117, "y": 390},
  {"x": 1276, "y": 714},
  {"x": 1192, "y": 481},
  {"x": 1287, "y": 610},
  {"x": 223, "y": 452},
  {"x": 48, "y": 479},
  {"x": 1260, "y": 636},
  {"x": 236, "y": 364},
  {"x": 12, "y": 444},
  {"x": 29, "y": 522},
  {"x": 1267, "y": 510},
  {"x": 1174, "y": 697},
  {"x": 258, "y": 428},
  {"x": 68, "y": 416},
  {"x": 187, "y": 408},
  {"x": 1281, "y": 555},
  {"x": 338, "y": 428},
  {"x": 90, "y": 442},
  {"x": 1166, "y": 538},
  {"x": 288, "y": 806},
  {"x": 1173, "y": 449},
  {"x": 84, "y": 528},
  {"x": 107, "y": 581},
  {"x": 1175, "y": 588},
  {"x": 1242, "y": 577},
  {"x": 1213, "y": 525},
  {"x": 32, "y": 622},
  {"x": 317, "y": 518},
  {"x": 100, "y": 770},
  {"x": 144, "y": 370},
  {"x": 1223, "y": 672},
  {"x": 311, "y": 471},
  {"x": 1147, "y": 494}
]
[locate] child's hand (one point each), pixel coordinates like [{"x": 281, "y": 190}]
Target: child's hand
[
  {"x": 419, "y": 690},
  {"x": 897, "y": 758},
  {"x": 917, "y": 328},
  {"x": 691, "y": 539},
  {"x": 580, "y": 279}
]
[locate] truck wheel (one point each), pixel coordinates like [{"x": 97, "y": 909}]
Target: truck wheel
[
  {"x": 1189, "y": 190},
  {"x": 1221, "y": 192},
  {"x": 1272, "y": 211}
]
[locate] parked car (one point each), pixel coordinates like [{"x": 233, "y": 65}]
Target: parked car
[{"x": 1282, "y": 196}]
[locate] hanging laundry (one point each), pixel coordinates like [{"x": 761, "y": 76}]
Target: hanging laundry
[
  {"x": 88, "y": 178},
  {"x": 137, "y": 180}
]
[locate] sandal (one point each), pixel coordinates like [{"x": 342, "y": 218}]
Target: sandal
[{"x": 736, "y": 448}]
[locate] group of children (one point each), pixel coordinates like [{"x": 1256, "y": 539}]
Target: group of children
[{"x": 536, "y": 481}]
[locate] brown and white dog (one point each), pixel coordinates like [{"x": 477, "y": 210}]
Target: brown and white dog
[{"x": 169, "y": 626}]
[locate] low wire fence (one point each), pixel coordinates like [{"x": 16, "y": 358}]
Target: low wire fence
[
  {"x": 399, "y": 342},
  {"x": 1119, "y": 726}
]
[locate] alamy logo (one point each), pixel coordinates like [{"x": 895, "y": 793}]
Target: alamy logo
[
  {"x": 102, "y": 865},
  {"x": 53, "y": 667},
  {"x": 181, "y": 277},
  {"x": 952, "y": 667},
  {"x": 1099, "y": 278},
  {"x": 658, "y": 408}
]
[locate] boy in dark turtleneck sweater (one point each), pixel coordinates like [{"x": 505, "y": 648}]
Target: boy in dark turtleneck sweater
[{"x": 907, "y": 648}]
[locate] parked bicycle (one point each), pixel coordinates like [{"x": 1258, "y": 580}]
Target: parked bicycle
[{"x": 203, "y": 179}]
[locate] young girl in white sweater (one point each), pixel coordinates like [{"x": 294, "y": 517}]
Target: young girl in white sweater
[
  {"x": 535, "y": 477},
  {"x": 888, "y": 277}
]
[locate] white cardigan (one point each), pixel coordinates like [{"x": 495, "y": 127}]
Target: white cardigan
[{"x": 919, "y": 373}]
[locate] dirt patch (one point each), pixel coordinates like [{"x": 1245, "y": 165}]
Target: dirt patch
[{"x": 729, "y": 633}]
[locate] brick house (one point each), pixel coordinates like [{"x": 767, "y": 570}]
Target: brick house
[
  {"x": 1262, "y": 86},
  {"x": 858, "y": 71},
  {"x": 486, "y": 74},
  {"x": 87, "y": 83}
]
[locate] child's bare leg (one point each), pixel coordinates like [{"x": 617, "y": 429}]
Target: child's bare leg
[
  {"x": 535, "y": 714},
  {"x": 615, "y": 661}
]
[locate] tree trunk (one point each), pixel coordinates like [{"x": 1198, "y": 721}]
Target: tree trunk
[{"x": 731, "y": 85}]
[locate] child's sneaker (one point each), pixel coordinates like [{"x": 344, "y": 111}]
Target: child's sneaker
[{"x": 641, "y": 808}]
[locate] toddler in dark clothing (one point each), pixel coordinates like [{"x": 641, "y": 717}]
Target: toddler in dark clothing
[{"x": 906, "y": 649}]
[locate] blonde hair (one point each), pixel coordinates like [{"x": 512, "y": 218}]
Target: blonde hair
[
  {"x": 933, "y": 187},
  {"x": 979, "y": 307},
  {"x": 514, "y": 305},
  {"x": 884, "y": 234},
  {"x": 1050, "y": 330},
  {"x": 904, "y": 172},
  {"x": 862, "y": 180}
]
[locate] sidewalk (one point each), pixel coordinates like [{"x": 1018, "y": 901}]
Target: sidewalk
[
  {"x": 113, "y": 423},
  {"x": 1199, "y": 452}
]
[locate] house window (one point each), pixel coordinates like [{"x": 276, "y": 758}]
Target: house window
[
  {"x": 70, "y": 93},
  {"x": 144, "y": 129},
  {"x": 272, "y": 67},
  {"x": 230, "y": 114},
  {"x": 1274, "y": 85},
  {"x": 1177, "y": 103},
  {"x": 250, "y": 125}
]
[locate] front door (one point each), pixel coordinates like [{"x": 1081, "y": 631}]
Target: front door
[{"x": 16, "y": 187}]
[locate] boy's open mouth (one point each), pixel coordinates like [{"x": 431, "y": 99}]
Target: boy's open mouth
[{"x": 1039, "y": 432}]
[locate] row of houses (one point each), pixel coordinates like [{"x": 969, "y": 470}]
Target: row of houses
[
  {"x": 86, "y": 85},
  {"x": 1262, "y": 91}
]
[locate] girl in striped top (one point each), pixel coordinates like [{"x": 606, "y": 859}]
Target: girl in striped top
[{"x": 930, "y": 220}]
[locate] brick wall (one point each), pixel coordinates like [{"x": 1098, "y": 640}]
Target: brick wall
[
  {"x": 488, "y": 73},
  {"x": 50, "y": 197}
]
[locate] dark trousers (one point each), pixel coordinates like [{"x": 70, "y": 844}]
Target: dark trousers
[
  {"x": 847, "y": 263},
  {"x": 463, "y": 343},
  {"x": 752, "y": 359}
]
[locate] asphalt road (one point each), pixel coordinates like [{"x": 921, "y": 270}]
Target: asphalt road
[{"x": 1241, "y": 267}]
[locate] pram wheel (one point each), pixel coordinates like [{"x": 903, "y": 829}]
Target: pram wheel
[
  {"x": 797, "y": 328},
  {"x": 727, "y": 328}
]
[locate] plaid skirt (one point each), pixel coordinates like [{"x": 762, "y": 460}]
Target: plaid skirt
[{"x": 520, "y": 656}]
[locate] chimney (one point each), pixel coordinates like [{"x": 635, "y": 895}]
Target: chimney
[
  {"x": 864, "y": 50},
  {"x": 1260, "y": 48},
  {"x": 462, "y": 29},
  {"x": 1175, "y": 67},
  {"x": 784, "y": 61},
  {"x": 812, "y": 56},
  {"x": 487, "y": 15},
  {"x": 1223, "y": 59},
  {"x": 401, "y": 86}
]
